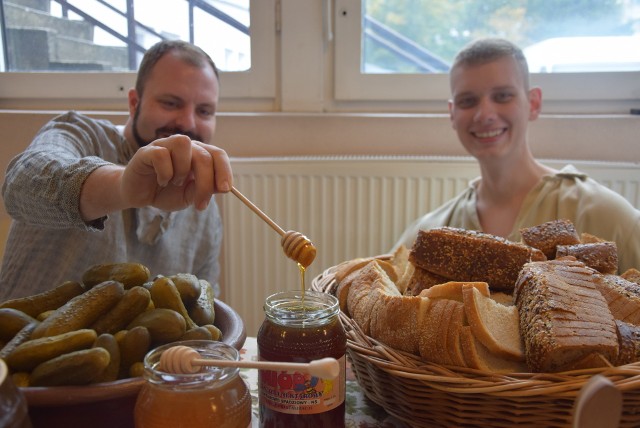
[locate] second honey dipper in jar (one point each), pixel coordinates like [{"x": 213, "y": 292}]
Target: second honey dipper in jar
[{"x": 294, "y": 331}]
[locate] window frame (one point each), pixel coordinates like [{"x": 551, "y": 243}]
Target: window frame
[
  {"x": 108, "y": 90},
  {"x": 593, "y": 92}
]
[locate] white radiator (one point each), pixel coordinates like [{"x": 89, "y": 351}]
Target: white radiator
[{"x": 349, "y": 207}]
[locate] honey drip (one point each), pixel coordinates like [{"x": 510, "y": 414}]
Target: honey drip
[{"x": 302, "y": 288}]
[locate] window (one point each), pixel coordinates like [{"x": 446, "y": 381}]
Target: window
[
  {"x": 584, "y": 54},
  {"x": 105, "y": 40}
]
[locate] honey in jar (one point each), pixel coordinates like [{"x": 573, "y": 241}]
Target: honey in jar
[
  {"x": 214, "y": 397},
  {"x": 301, "y": 330},
  {"x": 13, "y": 406}
]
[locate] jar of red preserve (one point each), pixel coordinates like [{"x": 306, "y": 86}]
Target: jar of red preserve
[{"x": 301, "y": 327}]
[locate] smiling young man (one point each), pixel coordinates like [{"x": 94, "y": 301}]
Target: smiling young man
[
  {"x": 87, "y": 192},
  {"x": 491, "y": 107}
]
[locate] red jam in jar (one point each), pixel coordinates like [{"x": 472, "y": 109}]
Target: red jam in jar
[
  {"x": 214, "y": 397},
  {"x": 301, "y": 328}
]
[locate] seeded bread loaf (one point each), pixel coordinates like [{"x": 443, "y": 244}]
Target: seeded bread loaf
[
  {"x": 466, "y": 255},
  {"x": 629, "y": 342},
  {"x": 622, "y": 296},
  {"x": 547, "y": 236},
  {"x": 563, "y": 316},
  {"x": 602, "y": 256},
  {"x": 632, "y": 275}
]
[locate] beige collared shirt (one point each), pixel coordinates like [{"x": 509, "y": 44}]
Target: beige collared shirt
[{"x": 569, "y": 194}]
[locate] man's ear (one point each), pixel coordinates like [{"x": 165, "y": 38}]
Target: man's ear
[
  {"x": 450, "y": 105},
  {"x": 133, "y": 101},
  {"x": 535, "y": 103}
]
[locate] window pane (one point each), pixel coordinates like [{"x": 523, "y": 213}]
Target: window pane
[
  {"x": 103, "y": 35},
  {"x": 423, "y": 36}
]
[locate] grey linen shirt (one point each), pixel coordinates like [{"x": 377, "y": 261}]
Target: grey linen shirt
[{"x": 48, "y": 241}]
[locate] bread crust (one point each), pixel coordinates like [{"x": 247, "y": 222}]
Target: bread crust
[
  {"x": 563, "y": 316},
  {"x": 632, "y": 275},
  {"x": 466, "y": 255},
  {"x": 366, "y": 286},
  {"x": 547, "y": 236},
  {"x": 622, "y": 296},
  {"x": 396, "y": 322},
  {"x": 601, "y": 256},
  {"x": 496, "y": 326},
  {"x": 453, "y": 290}
]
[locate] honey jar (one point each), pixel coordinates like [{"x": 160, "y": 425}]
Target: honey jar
[
  {"x": 13, "y": 406},
  {"x": 213, "y": 397},
  {"x": 301, "y": 327}
]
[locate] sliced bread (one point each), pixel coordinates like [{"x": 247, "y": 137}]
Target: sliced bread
[{"x": 493, "y": 324}]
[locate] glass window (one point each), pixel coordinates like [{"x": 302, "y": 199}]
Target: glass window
[
  {"x": 112, "y": 35},
  {"x": 105, "y": 40},
  {"x": 585, "y": 54},
  {"x": 556, "y": 36}
]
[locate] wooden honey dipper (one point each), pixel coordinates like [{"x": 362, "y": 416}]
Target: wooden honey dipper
[
  {"x": 184, "y": 360},
  {"x": 295, "y": 245}
]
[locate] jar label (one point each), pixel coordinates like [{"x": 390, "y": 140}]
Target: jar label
[{"x": 300, "y": 393}]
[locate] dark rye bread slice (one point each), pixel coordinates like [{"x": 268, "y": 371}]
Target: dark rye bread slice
[
  {"x": 466, "y": 255},
  {"x": 547, "y": 236},
  {"x": 602, "y": 256},
  {"x": 563, "y": 316}
]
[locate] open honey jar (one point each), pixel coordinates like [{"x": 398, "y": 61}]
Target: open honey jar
[
  {"x": 301, "y": 328},
  {"x": 212, "y": 397},
  {"x": 13, "y": 407}
]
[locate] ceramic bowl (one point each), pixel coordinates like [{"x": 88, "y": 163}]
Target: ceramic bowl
[{"x": 109, "y": 404}]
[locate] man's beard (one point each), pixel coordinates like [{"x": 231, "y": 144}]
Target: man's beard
[{"x": 159, "y": 132}]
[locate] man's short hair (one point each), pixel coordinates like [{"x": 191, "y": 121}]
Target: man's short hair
[
  {"x": 186, "y": 51},
  {"x": 487, "y": 50}
]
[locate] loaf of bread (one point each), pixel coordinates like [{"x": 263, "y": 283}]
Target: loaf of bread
[
  {"x": 632, "y": 275},
  {"x": 439, "y": 300},
  {"x": 395, "y": 321},
  {"x": 349, "y": 271},
  {"x": 563, "y": 316},
  {"x": 365, "y": 290},
  {"x": 421, "y": 279},
  {"x": 411, "y": 279},
  {"x": 622, "y": 296},
  {"x": 466, "y": 255},
  {"x": 602, "y": 256},
  {"x": 547, "y": 236},
  {"x": 587, "y": 238},
  {"x": 439, "y": 333},
  {"x": 629, "y": 343}
]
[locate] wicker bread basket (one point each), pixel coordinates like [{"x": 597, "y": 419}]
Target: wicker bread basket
[{"x": 431, "y": 395}]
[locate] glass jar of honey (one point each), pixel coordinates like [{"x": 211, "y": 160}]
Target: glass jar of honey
[
  {"x": 213, "y": 397},
  {"x": 13, "y": 406},
  {"x": 300, "y": 328}
]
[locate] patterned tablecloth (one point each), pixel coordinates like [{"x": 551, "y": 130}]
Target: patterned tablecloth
[{"x": 360, "y": 411}]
